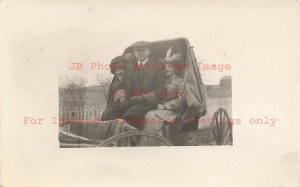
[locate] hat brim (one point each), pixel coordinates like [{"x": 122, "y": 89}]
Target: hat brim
[{"x": 163, "y": 61}]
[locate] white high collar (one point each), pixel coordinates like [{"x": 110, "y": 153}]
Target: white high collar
[{"x": 143, "y": 62}]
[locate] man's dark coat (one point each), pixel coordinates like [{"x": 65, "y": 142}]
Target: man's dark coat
[{"x": 146, "y": 81}]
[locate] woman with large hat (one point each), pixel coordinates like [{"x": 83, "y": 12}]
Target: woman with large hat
[
  {"x": 117, "y": 99},
  {"x": 171, "y": 101}
]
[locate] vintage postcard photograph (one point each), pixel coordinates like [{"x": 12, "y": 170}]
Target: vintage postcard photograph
[
  {"x": 154, "y": 96},
  {"x": 149, "y": 93}
]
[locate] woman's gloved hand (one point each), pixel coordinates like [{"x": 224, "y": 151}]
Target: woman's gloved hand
[{"x": 137, "y": 100}]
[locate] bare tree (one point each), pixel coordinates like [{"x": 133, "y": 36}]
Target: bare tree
[
  {"x": 77, "y": 88},
  {"x": 104, "y": 82}
]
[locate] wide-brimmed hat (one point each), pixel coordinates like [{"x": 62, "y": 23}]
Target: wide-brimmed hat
[
  {"x": 117, "y": 62},
  {"x": 175, "y": 58},
  {"x": 176, "y": 61}
]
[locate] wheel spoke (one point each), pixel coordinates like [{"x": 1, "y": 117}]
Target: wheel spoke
[{"x": 221, "y": 127}]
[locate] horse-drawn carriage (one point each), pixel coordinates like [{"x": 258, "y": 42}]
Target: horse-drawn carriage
[{"x": 83, "y": 134}]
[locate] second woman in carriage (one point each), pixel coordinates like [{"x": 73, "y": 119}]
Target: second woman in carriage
[{"x": 170, "y": 106}]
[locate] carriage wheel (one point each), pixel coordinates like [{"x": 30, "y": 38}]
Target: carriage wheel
[
  {"x": 126, "y": 137},
  {"x": 222, "y": 127}
]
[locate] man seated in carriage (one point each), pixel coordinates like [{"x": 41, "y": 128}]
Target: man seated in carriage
[{"x": 143, "y": 77}]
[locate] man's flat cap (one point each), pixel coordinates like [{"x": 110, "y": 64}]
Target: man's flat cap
[{"x": 140, "y": 44}]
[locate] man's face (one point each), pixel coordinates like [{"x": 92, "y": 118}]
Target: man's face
[
  {"x": 119, "y": 73},
  {"x": 141, "y": 53}
]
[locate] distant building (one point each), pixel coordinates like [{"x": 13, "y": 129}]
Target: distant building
[
  {"x": 225, "y": 82},
  {"x": 223, "y": 89}
]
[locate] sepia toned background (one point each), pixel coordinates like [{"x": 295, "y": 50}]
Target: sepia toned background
[{"x": 260, "y": 40}]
